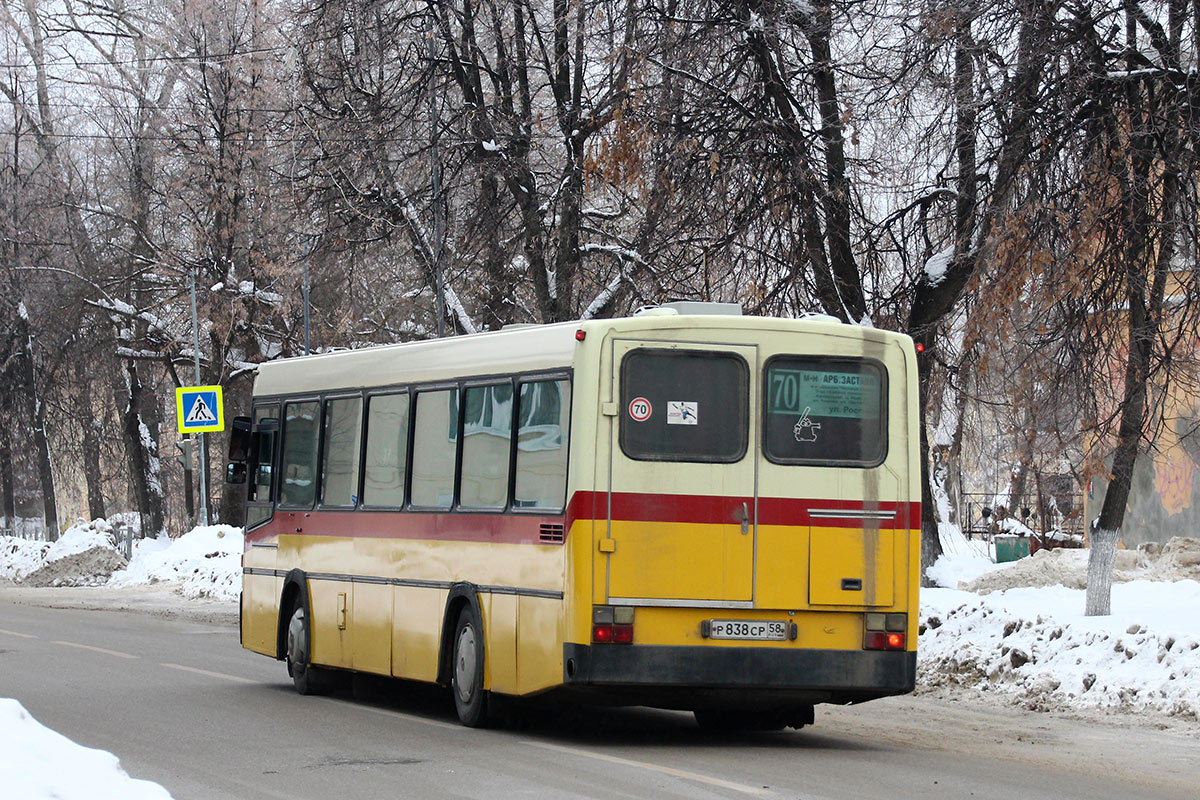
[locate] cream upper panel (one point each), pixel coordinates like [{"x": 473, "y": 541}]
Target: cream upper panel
[{"x": 519, "y": 350}]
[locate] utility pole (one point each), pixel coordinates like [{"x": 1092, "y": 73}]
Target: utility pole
[
  {"x": 202, "y": 456},
  {"x": 185, "y": 461}
]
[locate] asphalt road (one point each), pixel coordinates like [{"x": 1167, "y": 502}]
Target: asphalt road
[{"x": 182, "y": 704}]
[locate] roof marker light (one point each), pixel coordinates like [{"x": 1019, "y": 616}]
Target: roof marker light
[{"x": 580, "y": 335}]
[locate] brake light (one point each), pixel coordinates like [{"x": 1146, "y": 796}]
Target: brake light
[
  {"x": 885, "y": 631},
  {"x": 612, "y": 625},
  {"x": 878, "y": 640}
]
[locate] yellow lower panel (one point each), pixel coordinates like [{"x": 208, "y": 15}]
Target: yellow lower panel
[
  {"x": 332, "y": 632},
  {"x": 539, "y": 644},
  {"x": 837, "y": 555},
  {"x": 781, "y": 571},
  {"x": 500, "y": 629},
  {"x": 669, "y": 560},
  {"x": 260, "y": 612},
  {"x": 373, "y": 628},
  {"x": 417, "y": 631}
]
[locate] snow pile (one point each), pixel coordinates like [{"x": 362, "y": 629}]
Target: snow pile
[
  {"x": 19, "y": 557},
  {"x": 207, "y": 561},
  {"x": 91, "y": 567},
  {"x": 1034, "y": 647},
  {"x": 1017, "y": 631},
  {"x": 37, "y": 763},
  {"x": 84, "y": 555}
]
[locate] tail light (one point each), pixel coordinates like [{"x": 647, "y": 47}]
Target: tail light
[
  {"x": 612, "y": 625},
  {"x": 886, "y": 632}
]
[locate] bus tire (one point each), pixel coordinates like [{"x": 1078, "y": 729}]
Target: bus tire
[
  {"x": 466, "y": 670},
  {"x": 307, "y": 678}
]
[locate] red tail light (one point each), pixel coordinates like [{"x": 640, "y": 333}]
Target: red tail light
[
  {"x": 612, "y": 625},
  {"x": 878, "y": 640}
]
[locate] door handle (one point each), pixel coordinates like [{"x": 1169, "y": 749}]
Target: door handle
[{"x": 743, "y": 516}]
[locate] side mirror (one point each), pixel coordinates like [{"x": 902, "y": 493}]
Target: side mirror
[
  {"x": 235, "y": 472},
  {"x": 239, "y": 440}
]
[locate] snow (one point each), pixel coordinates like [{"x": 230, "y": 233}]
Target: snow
[
  {"x": 936, "y": 266},
  {"x": 1031, "y": 645},
  {"x": 37, "y": 763},
  {"x": 19, "y": 557},
  {"x": 206, "y": 562}
]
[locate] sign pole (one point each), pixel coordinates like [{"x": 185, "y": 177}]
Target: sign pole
[{"x": 202, "y": 456}]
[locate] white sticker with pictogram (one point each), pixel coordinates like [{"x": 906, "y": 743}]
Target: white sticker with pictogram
[
  {"x": 640, "y": 409},
  {"x": 683, "y": 412}
]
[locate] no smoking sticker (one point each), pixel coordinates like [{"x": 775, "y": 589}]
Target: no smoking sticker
[{"x": 640, "y": 409}]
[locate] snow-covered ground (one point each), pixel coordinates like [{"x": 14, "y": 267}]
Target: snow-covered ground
[
  {"x": 205, "y": 562},
  {"x": 38, "y": 764},
  {"x": 1017, "y": 631}
]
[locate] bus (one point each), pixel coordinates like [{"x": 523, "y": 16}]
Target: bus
[{"x": 686, "y": 508}]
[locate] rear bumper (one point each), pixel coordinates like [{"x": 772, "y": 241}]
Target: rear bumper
[{"x": 762, "y": 673}]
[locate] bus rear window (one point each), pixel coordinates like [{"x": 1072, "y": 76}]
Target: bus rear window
[
  {"x": 825, "y": 411},
  {"x": 684, "y": 406}
]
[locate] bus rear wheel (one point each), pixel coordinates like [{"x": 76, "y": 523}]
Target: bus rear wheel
[
  {"x": 466, "y": 671},
  {"x": 307, "y": 678}
]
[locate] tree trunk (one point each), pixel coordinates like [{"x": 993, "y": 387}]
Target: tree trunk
[
  {"x": 6, "y": 472},
  {"x": 931, "y": 542},
  {"x": 41, "y": 444},
  {"x": 91, "y": 472},
  {"x": 1101, "y": 558},
  {"x": 142, "y": 450}
]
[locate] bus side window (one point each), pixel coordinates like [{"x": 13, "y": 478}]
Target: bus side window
[
  {"x": 487, "y": 440},
  {"x": 543, "y": 419},
  {"x": 339, "y": 468},
  {"x": 434, "y": 448},
  {"x": 299, "y": 461},
  {"x": 387, "y": 450}
]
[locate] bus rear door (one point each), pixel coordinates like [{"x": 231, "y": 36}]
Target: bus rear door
[{"x": 682, "y": 478}]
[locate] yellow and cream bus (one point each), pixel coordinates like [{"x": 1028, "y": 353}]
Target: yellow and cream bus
[{"x": 686, "y": 508}]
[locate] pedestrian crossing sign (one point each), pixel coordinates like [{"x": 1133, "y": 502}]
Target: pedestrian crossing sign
[{"x": 199, "y": 409}]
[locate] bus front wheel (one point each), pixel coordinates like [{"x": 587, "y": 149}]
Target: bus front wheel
[
  {"x": 307, "y": 678},
  {"x": 466, "y": 673}
]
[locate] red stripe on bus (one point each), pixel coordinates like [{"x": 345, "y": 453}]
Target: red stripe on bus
[
  {"x": 584, "y": 506},
  {"x": 637, "y": 507}
]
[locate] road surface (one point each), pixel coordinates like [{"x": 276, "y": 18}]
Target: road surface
[{"x": 180, "y": 703}]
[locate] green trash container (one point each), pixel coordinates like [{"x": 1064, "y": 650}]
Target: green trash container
[{"x": 1011, "y": 548}]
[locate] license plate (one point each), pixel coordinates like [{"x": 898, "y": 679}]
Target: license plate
[{"x": 770, "y": 630}]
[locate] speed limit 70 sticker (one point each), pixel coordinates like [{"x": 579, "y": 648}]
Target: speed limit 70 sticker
[{"x": 640, "y": 409}]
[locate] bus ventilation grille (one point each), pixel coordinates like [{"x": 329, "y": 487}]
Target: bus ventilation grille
[{"x": 552, "y": 532}]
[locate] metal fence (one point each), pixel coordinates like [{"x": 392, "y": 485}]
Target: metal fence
[
  {"x": 979, "y": 513},
  {"x": 33, "y": 530}
]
